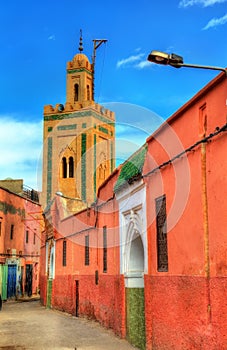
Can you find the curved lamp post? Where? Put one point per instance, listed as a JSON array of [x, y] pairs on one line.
[[60, 194], [176, 61]]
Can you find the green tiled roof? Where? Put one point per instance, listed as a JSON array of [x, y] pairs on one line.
[[131, 168]]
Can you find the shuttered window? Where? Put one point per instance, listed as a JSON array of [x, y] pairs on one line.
[[87, 257], [104, 249], [11, 231], [162, 244], [64, 252]]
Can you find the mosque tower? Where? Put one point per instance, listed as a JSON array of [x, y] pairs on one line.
[[78, 138]]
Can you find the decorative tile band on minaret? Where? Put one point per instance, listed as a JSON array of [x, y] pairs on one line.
[[49, 169], [83, 165], [95, 186]]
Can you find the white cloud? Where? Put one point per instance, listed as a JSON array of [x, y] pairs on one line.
[[129, 60], [135, 61], [22, 145], [143, 64], [214, 22], [51, 37], [204, 3]]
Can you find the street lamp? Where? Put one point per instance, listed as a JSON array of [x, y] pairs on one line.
[[176, 61], [60, 194]]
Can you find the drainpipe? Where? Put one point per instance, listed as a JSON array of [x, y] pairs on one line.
[[205, 228]]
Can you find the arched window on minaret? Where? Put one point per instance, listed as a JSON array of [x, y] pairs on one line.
[[71, 167], [64, 168], [76, 92], [88, 92]]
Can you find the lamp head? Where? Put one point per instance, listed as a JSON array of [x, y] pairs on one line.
[[58, 193], [165, 58]]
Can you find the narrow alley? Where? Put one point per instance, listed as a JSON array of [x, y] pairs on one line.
[[28, 325]]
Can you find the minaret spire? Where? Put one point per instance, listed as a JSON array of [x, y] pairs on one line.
[[81, 42]]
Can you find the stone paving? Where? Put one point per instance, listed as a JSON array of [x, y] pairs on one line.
[[29, 325]]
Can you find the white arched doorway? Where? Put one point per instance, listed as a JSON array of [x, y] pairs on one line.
[[133, 258], [136, 258], [134, 279], [134, 251]]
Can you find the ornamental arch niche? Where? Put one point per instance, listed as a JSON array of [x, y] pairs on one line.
[[68, 170], [67, 160]]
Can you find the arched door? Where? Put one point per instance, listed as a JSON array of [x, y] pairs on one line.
[[134, 283]]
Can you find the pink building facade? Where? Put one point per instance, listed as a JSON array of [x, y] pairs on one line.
[[21, 225]]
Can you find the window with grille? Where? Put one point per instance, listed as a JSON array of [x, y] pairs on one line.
[[87, 257], [104, 249], [64, 251], [162, 246], [11, 231]]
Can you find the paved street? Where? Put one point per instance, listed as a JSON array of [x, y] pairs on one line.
[[27, 325]]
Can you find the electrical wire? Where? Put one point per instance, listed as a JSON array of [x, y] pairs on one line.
[[189, 149], [101, 74]]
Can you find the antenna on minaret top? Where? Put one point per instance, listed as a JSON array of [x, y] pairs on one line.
[[97, 43], [81, 42]]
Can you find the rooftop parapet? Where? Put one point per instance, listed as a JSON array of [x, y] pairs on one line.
[[68, 107], [106, 112]]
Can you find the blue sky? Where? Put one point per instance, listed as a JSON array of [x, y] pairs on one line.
[[38, 38]]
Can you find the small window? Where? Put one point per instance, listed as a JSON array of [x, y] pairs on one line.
[[88, 92], [202, 121], [11, 231], [64, 168], [34, 238], [96, 277], [64, 253], [162, 247], [71, 167], [104, 249], [76, 92], [87, 258], [27, 234]]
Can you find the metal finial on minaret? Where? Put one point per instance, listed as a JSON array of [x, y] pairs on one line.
[[81, 42]]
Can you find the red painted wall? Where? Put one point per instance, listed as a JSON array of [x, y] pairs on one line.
[[12, 209], [186, 307], [103, 300], [42, 277]]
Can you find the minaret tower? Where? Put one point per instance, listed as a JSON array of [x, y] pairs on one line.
[[79, 80], [79, 138]]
